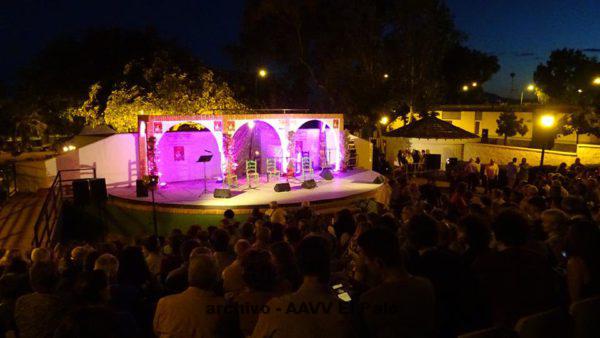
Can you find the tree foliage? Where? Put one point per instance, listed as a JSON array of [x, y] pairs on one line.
[[509, 125], [359, 57]]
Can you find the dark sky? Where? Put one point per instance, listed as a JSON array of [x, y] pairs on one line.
[[521, 33]]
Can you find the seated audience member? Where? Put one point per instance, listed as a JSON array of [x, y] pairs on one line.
[[176, 280], [220, 244], [263, 238], [37, 314], [40, 255], [151, 250], [516, 281], [292, 235], [441, 266], [475, 235], [232, 275], [288, 275], [583, 259], [259, 277], [110, 265], [412, 298], [313, 260], [555, 226], [195, 312]]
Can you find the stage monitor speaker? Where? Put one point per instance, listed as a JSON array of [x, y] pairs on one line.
[[98, 190], [484, 136], [309, 184], [452, 162], [81, 191], [327, 174], [222, 193], [433, 161], [141, 190], [379, 180], [281, 187]]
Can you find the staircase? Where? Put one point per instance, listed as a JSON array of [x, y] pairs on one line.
[[17, 220]]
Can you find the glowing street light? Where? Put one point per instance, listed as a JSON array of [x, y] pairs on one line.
[[465, 88], [384, 120], [474, 84], [530, 88], [386, 75], [547, 121], [580, 90], [262, 72], [596, 81]]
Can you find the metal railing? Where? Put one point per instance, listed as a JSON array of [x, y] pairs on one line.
[[61, 188]]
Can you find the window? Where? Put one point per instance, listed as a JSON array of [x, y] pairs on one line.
[[451, 115], [478, 116]]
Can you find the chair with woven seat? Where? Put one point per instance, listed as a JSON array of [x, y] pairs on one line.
[[272, 170], [307, 169], [252, 173], [231, 180]]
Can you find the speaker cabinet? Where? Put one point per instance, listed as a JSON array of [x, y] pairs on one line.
[[98, 190], [81, 192], [281, 187], [141, 190], [222, 193], [433, 161], [309, 184], [327, 174]]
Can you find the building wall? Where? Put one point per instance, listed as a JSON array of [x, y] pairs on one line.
[[447, 148], [503, 154], [364, 153]]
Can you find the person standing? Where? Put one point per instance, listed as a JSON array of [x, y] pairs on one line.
[[491, 174], [523, 174], [511, 172]]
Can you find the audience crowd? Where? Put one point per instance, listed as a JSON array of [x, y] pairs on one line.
[[432, 263]]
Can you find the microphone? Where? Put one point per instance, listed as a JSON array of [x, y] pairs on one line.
[[208, 151]]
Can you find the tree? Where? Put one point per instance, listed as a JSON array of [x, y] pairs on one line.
[[162, 87], [360, 57], [509, 125]]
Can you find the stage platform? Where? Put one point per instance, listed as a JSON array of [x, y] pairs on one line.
[[186, 197]]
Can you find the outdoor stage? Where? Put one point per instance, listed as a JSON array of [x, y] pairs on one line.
[[186, 197]]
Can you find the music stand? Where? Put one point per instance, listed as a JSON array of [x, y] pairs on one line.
[[203, 159]]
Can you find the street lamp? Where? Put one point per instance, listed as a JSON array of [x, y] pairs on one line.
[[262, 72], [530, 88], [474, 84], [386, 75], [465, 88], [596, 81], [547, 122], [384, 120]]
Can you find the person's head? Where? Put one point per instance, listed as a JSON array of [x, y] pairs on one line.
[[273, 205], [259, 273], [578, 161], [150, 245], [555, 222], [423, 231], [133, 269], [535, 206], [313, 258], [78, 254], [263, 235], [40, 255], [278, 216], [109, 264], [305, 204], [475, 232], [187, 247], [575, 206], [43, 277], [247, 230], [379, 250], [92, 287], [241, 246], [492, 161], [583, 241], [514, 160], [202, 272], [292, 235], [229, 214], [511, 228], [220, 240], [282, 254], [523, 160]]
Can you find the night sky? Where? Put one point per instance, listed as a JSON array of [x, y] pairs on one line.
[[521, 33]]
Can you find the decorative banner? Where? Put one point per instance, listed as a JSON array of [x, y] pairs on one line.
[[230, 126], [178, 153], [218, 125], [336, 123], [158, 127]]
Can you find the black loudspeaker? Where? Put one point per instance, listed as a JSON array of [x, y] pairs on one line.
[[98, 190], [379, 180], [326, 174], [452, 162], [484, 135], [433, 161], [141, 190], [222, 193], [280, 187], [81, 192], [309, 184]]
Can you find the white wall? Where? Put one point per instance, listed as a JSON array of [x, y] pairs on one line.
[[503, 154], [186, 168]]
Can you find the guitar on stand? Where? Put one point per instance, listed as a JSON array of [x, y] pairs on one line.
[[205, 159]]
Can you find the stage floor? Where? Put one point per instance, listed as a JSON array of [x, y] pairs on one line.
[[188, 194]]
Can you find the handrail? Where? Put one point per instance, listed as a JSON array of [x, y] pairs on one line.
[[52, 207]]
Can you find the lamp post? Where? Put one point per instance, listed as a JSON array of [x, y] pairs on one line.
[[529, 88], [596, 81], [547, 122], [260, 74]]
